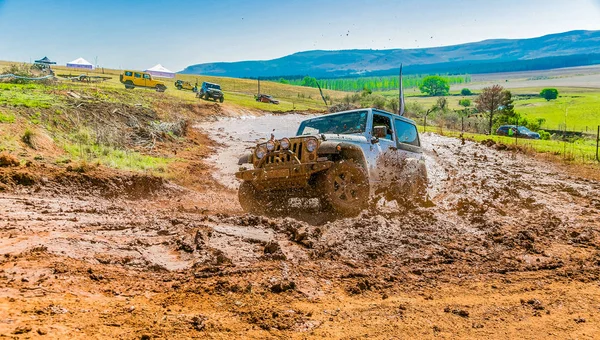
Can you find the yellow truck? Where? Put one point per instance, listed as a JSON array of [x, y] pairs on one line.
[[133, 79]]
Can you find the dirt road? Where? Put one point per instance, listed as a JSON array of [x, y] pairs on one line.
[[509, 249]]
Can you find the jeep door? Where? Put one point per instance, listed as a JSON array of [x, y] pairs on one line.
[[137, 79], [381, 154], [148, 80], [410, 162]]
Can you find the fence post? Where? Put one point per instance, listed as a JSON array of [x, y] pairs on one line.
[[598, 144]]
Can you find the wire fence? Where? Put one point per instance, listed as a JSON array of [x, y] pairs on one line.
[[582, 145]]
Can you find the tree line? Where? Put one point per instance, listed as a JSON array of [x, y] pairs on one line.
[[372, 83]]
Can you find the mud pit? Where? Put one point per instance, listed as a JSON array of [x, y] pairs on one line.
[[509, 249]]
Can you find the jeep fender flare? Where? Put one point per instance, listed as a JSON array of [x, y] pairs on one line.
[[341, 150]]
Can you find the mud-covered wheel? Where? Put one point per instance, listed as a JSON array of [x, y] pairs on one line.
[[344, 188], [129, 84], [221, 99], [160, 88]]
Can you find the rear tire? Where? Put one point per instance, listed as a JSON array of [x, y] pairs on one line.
[[344, 188]]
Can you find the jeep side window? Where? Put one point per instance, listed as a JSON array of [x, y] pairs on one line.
[[137, 75], [146, 76], [379, 120], [407, 133], [128, 73]]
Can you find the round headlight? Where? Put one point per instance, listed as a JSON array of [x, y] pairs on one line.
[[285, 143], [311, 144], [261, 151], [270, 145]]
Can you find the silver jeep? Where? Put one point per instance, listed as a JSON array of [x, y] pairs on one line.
[[344, 159]]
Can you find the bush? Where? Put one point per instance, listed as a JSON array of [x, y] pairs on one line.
[[28, 137], [545, 135], [466, 92]]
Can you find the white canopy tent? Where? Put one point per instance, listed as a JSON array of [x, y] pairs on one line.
[[160, 71], [80, 63]]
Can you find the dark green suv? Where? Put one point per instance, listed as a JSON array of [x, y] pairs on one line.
[[210, 91]]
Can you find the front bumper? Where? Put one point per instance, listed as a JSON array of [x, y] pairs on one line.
[[292, 172]]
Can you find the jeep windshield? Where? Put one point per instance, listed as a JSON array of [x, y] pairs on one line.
[[213, 86], [339, 124]]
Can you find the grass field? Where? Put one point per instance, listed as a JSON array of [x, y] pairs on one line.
[[579, 106], [237, 91]]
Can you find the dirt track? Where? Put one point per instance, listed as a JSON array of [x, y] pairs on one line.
[[509, 249]]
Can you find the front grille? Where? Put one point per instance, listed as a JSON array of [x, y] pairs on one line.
[[284, 158]]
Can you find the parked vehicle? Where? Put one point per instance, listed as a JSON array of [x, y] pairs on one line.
[[133, 79], [343, 159], [185, 85], [265, 98], [520, 131], [211, 91]]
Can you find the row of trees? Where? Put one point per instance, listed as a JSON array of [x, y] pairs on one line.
[[373, 83]]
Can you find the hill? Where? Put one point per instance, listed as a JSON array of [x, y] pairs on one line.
[[575, 48]]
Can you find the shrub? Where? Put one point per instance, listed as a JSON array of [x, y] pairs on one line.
[[545, 135], [466, 92], [28, 137]]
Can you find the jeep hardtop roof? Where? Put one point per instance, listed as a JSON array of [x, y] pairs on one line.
[[407, 120]]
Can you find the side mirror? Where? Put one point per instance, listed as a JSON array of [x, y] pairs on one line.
[[379, 131], [374, 140]]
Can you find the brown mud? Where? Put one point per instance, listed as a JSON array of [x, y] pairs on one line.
[[509, 248]]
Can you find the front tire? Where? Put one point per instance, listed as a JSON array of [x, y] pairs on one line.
[[344, 188], [221, 99]]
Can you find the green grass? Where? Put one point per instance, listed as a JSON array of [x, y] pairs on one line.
[[7, 117], [581, 151], [25, 95], [580, 109], [116, 158], [583, 106]]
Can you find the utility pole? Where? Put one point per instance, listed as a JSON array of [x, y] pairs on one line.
[[517, 133]]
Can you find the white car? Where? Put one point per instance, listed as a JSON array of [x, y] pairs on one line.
[[343, 159]]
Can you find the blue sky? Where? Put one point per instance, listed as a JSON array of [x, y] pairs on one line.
[[139, 34]]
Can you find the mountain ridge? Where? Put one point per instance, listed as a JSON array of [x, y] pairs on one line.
[[573, 48]]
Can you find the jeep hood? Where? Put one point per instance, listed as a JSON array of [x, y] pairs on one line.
[[345, 138]]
